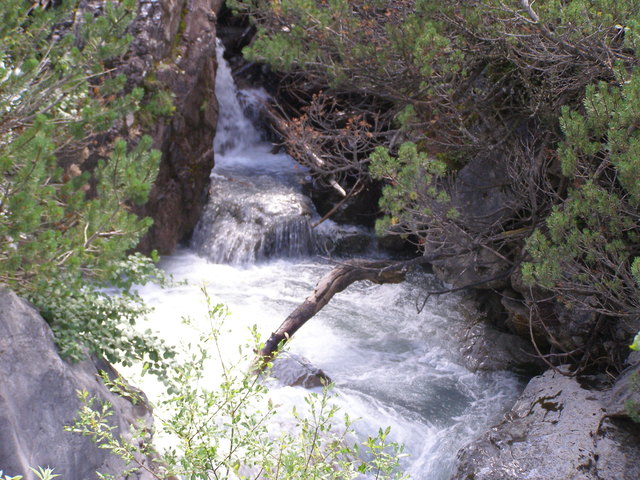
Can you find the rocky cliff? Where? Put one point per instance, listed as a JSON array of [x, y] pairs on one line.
[[174, 50]]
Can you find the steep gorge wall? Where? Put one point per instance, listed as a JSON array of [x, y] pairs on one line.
[[174, 49]]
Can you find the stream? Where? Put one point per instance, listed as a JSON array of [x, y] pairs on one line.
[[255, 251]]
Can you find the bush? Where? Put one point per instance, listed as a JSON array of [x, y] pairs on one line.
[[222, 428], [586, 250], [67, 186]]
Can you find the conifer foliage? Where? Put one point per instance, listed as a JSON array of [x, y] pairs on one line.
[[67, 181]]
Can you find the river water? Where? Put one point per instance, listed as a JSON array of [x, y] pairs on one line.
[[255, 252]]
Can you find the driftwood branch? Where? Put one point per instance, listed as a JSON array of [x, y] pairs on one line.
[[339, 278]]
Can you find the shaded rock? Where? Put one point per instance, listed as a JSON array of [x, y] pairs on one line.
[[552, 324], [486, 349], [625, 393], [482, 196], [335, 239], [565, 328], [361, 209], [38, 397], [174, 50], [294, 370], [397, 244], [481, 269], [556, 430], [518, 314], [481, 193]]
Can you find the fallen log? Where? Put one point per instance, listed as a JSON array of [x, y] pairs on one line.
[[339, 278]]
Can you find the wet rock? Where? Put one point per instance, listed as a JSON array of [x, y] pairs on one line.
[[174, 50], [486, 349], [335, 239], [295, 370], [556, 430], [253, 218], [38, 397]]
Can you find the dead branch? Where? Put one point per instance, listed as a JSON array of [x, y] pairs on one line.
[[333, 137], [339, 278]]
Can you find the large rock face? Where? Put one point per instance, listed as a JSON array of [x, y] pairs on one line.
[[38, 398], [556, 430], [174, 49]]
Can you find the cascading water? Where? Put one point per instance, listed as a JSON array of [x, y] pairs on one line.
[[391, 365], [256, 209]]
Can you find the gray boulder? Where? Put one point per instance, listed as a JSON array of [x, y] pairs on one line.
[[295, 370], [556, 430], [38, 397], [625, 393]]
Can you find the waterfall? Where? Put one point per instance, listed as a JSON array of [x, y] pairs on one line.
[[249, 219], [256, 208], [235, 132]]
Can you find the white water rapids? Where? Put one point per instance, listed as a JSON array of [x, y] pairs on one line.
[[391, 365]]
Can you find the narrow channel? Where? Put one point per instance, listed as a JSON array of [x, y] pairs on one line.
[[255, 251]]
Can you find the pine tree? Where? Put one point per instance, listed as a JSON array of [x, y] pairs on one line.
[[67, 185]]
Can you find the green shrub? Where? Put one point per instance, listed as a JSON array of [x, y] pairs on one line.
[[221, 429], [585, 252], [67, 187]]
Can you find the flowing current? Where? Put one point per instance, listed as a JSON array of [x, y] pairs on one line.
[[255, 251]]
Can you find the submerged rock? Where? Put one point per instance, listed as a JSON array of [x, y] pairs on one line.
[[38, 398], [556, 430], [294, 370]]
